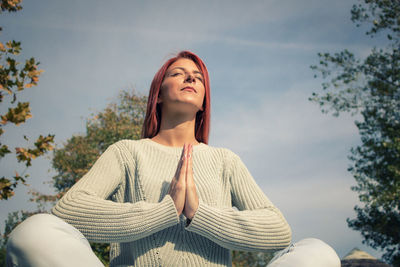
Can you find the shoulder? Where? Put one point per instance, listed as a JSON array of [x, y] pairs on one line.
[[225, 154], [216, 151], [125, 144], [124, 147], [125, 150]]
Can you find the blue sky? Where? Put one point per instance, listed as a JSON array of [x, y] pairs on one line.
[[258, 54]]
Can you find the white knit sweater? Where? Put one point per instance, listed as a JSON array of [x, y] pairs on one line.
[[123, 200]]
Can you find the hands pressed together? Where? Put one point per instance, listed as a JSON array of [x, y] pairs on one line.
[[182, 188]]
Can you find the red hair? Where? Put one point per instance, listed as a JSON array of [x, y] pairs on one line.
[[152, 121]]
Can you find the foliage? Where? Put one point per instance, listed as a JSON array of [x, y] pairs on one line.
[[118, 121], [122, 120], [15, 78], [370, 87], [250, 259], [10, 5]]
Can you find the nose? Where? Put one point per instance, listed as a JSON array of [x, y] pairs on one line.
[[189, 78]]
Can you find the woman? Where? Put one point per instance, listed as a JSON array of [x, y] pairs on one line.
[[163, 200]]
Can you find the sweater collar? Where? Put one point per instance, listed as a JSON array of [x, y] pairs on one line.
[[173, 149]]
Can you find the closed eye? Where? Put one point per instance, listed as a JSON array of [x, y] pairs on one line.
[[175, 74]]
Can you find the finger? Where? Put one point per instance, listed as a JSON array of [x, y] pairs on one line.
[[189, 171], [180, 163], [183, 151], [182, 172], [178, 168], [191, 201]]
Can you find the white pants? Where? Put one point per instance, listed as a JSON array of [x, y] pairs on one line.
[[44, 240], [308, 252]]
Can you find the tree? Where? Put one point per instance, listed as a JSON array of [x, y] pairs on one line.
[[122, 120], [13, 79], [370, 87], [250, 259]]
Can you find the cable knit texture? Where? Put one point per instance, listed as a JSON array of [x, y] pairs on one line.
[[123, 200]]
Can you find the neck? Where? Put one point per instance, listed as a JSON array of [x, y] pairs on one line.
[[176, 130]]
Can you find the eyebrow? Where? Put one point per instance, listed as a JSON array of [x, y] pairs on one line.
[[196, 71]]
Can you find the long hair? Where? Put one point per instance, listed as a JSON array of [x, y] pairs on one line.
[[152, 121]]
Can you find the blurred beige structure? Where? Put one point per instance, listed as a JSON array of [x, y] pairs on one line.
[[359, 258]]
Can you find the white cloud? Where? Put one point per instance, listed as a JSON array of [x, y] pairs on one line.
[[285, 120], [177, 22]]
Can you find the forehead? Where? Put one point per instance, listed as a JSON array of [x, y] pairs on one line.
[[185, 63]]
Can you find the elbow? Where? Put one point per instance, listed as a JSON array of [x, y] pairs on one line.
[[283, 235], [66, 206], [275, 237], [285, 232], [58, 211], [287, 236], [282, 239], [278, 240]]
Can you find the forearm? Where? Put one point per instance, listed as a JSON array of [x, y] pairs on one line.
[[107, 221], [262, 229]]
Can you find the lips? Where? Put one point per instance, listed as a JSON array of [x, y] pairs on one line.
[[188, 88]]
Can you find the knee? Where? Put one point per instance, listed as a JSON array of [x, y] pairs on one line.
[[33, 234], [29, 233], [25, 239], [320, 251], [46, 240], [308, 252]]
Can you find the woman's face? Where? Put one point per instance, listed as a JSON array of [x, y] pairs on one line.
[[183, 87]]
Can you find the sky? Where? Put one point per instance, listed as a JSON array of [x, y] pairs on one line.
[[258, 54]]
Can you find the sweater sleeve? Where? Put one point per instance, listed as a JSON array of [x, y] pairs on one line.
[[257, 225], [86, 205]]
